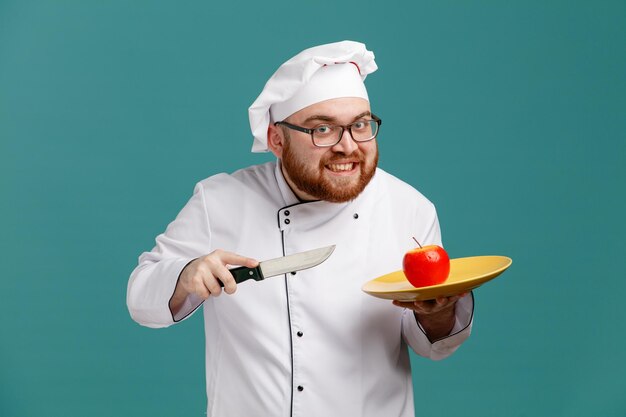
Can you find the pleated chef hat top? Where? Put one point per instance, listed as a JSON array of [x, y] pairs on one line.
[[316, 74]]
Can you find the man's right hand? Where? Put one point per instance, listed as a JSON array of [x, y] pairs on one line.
[[203, 275]]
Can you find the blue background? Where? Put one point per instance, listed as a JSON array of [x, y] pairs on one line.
[[510, 116]]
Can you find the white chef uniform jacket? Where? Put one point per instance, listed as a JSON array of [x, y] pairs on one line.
[[309, 344]]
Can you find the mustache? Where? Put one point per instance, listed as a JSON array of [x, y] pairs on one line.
[[340, 156]]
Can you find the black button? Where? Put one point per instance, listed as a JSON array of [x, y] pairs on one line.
[[287, 221], [356, 215], [300, 334], [300, 388], [286, 212], [293, 273]]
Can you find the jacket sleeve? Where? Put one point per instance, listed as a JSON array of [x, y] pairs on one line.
[[152, 283], [416, 338]]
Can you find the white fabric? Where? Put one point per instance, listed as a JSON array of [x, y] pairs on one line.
[[330, 81], [351, 359], [293, 76]]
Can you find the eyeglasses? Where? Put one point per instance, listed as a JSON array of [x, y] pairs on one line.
[[327, 135]]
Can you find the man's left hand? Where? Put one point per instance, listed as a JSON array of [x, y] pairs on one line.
[[436, 316]]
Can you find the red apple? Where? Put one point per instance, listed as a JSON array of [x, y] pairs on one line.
[[426, 265]]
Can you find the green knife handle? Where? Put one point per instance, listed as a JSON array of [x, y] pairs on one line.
[[243, 273]]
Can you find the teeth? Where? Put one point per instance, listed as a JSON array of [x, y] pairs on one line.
[[341, 167]]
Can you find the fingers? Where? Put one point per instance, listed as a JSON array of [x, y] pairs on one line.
[[201, 280], [205, 276], [223, 275], [229, 258], [430, 306]]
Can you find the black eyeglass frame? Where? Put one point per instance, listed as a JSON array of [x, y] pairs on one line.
[[374, 118]]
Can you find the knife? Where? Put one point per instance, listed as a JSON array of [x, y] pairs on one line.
[[282, 265]]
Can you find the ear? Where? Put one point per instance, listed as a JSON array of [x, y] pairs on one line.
[[275, 140]]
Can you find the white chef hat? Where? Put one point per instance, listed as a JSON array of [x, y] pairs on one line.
[[316, 74]]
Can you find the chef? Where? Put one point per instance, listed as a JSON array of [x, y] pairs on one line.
[[308, 343]]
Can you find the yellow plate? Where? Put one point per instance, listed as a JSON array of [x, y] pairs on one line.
[[465, 275]]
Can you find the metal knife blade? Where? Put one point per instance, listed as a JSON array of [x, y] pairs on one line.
[[284, 264]]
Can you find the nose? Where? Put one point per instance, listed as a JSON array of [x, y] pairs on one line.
[[346, 144]]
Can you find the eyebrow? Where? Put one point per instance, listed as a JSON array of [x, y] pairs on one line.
[[324, 118]]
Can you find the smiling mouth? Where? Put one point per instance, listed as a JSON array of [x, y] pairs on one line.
[[345, 167]]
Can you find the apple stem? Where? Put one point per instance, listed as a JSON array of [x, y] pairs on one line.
[[418, 244]]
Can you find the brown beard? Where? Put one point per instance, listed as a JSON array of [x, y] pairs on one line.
[[313, 183]]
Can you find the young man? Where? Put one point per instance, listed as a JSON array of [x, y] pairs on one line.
[[310, 343]]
